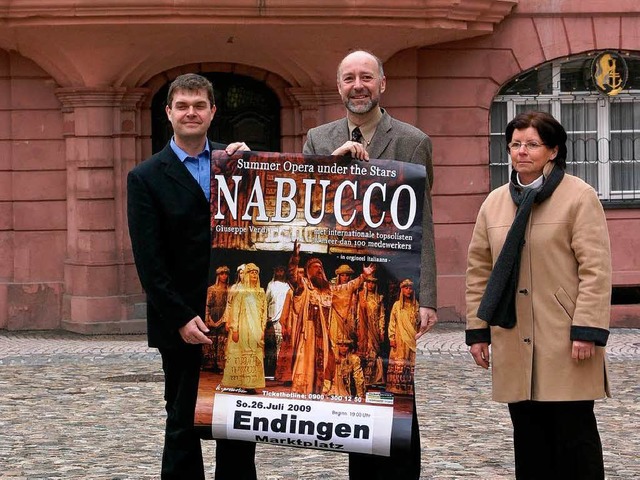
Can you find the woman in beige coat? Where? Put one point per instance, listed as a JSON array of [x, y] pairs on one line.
[[539, 291]]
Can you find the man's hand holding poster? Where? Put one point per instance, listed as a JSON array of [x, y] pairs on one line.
[[312, 308]]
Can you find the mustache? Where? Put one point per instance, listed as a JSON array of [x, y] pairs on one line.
[[364, 91]]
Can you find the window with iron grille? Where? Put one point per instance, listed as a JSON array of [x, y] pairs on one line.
[[603, 131]]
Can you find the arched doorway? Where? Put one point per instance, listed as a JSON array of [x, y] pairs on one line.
[[247, 111]]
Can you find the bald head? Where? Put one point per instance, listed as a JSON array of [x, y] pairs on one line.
[[361, 82], [361, 55]]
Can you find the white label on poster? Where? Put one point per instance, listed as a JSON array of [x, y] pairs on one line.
[[340, 427]]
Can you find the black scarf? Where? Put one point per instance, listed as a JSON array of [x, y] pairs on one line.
[[498, 304]]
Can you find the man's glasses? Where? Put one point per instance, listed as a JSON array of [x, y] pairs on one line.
[[529, 146]]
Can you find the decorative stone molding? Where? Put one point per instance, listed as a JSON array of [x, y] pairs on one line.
[[127, 99], [310, 98], [425, 13], [86, 44]]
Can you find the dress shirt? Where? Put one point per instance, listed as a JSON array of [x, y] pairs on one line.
[[368, 129], [199, 167]]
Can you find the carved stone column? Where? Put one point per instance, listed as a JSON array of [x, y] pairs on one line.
[[102, 130]]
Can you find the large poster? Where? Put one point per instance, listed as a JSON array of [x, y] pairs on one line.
[[312, 305]]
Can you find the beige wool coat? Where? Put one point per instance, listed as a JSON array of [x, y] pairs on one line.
[[563, 294]]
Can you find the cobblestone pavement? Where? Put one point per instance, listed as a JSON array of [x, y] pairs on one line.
[[90, 407]]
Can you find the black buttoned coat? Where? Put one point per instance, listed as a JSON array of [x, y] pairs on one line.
[[169, 226]]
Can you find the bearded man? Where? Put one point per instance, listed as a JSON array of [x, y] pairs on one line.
[[368, 131], [314, 357]]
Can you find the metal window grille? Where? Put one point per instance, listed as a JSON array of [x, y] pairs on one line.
[[603, 146]]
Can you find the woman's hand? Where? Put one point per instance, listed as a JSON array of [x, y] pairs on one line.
[[582, 350], [480, 353], [428, 318]]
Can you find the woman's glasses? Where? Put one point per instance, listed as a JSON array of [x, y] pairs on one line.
[[529, 146]]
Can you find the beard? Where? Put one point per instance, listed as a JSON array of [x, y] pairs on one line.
[[361, 108], [319, 280]]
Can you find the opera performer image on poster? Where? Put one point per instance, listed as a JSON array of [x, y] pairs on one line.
[[312, 310]]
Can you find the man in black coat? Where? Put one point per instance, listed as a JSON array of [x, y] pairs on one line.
[[169, 226]]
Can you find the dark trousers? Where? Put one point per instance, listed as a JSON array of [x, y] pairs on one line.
[[556, 440], [401, 465], [182, 454]]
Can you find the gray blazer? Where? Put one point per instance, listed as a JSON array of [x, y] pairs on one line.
[[393, 140]]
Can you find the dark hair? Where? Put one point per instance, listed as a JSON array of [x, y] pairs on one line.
[[190, 82], [551, 132]]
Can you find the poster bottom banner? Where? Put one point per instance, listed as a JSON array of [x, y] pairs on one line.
[[340, 427]]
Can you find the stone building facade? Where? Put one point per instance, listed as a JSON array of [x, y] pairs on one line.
[[81, 85]]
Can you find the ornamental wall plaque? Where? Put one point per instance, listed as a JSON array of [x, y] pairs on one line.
[[609, 73]]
